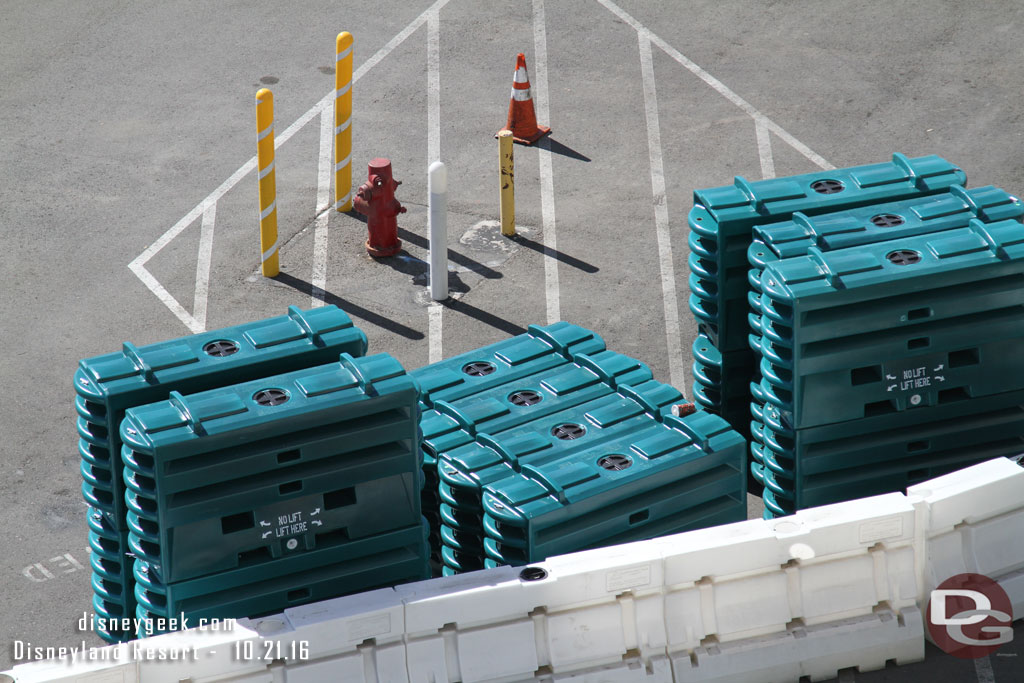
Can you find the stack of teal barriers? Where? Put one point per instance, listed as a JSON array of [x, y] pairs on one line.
[[721, 224], [889, 363], [110, 384], [850, 229], [491, 420], [267, 494]]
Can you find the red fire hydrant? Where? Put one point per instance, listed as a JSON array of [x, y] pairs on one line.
[[375, 199]]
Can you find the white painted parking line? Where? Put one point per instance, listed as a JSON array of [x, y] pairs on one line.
[[434, 332], [318, 278], [435, 313], [983, 669], [433, 87], [539, 83], [718, 86], [677, 370], [764, 148], [138, 265], [203, 266]]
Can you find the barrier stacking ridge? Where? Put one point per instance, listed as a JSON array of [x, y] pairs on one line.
[[844, 586], [870, 224], [669, 476], [540, 348], [109, 384], [465, 471], [722, 219]]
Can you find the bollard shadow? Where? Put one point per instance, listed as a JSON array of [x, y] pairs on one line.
[[350, 308], [557, 255], [453, 256], [460, 306], [455, 283], [566, 151]]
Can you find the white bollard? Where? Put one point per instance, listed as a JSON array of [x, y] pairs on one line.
[[437, 188]]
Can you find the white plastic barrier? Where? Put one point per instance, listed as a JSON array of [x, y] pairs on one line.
[[974, 522], [829, 588]]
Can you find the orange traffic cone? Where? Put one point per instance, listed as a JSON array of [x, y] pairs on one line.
[[522, 120]]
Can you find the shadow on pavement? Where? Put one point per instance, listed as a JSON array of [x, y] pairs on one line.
[[453, 256], [564, 258], [566, 151], [352, 309], [485, 317]]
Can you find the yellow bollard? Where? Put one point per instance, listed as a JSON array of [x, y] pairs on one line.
[[267, 181], [508, 192], [343, 122]]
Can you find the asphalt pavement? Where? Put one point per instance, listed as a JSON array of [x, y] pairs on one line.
[[125, 130]]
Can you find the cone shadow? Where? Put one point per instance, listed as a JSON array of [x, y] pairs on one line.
[[558, 148]]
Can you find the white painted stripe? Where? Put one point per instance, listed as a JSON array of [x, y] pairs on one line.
[[165, 297], [342, 201], [434, 331], [270, 252], [343, 127], [433, 88], [983, 670], [265, 132], [764, 148], [269, 210], [673, 336], [547, 185], [203, 266], [323, 200], [797, 145], [263, 173], [340, 92], [718, 86], [520, 95], [343, 163], [344, 53], [137, 264]]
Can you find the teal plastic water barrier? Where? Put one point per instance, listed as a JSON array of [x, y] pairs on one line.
[[680, 473], [274, 468]]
